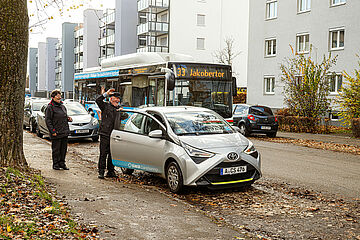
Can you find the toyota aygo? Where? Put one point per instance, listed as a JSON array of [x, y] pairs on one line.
[[188, 146]]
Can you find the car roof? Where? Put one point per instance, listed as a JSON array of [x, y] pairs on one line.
[[171, 109]]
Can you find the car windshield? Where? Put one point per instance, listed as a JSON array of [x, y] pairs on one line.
[[37, 105], [260, 111], [197, 123], [75, 109]]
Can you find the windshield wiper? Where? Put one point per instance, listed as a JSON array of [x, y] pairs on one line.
[[188, 133]]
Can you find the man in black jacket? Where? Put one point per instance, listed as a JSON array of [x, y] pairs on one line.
[[56, 119], [108, 115]]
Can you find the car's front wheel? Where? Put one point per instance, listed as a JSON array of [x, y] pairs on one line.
[[174, 177], [95, 139], [271, 135], [243, 129], [127, 171]]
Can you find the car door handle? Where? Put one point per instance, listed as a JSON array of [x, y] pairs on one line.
[[117, 138]]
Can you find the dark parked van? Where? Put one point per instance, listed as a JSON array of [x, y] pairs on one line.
[[255, 119]]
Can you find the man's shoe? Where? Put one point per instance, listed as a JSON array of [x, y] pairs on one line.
[[101, 174], [56, 167], [65, 167], [111, 174]]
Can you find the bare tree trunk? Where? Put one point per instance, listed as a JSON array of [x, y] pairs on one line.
[[13, 62]]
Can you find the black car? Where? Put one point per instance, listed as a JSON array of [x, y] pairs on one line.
[[255, 119], [31, 109]]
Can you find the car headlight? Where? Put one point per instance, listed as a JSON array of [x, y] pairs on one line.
[[251, 150], [94, 122], [197, 155]]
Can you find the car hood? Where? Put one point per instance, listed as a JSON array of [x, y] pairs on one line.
[[34, 113], [81, 118], [216, 141]]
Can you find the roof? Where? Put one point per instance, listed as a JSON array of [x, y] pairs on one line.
[[170, 109]]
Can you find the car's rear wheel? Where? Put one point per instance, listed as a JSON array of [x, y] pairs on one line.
[[174, 177], [243, 129], [38, 132], [127, 171], [271, 135]]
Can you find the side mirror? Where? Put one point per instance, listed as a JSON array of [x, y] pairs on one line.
[[92, 113], [156, 134], [170, 79], [234, 87]]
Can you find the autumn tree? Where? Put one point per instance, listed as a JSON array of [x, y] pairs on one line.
[[306, 84], [13, 59], [349, 97]]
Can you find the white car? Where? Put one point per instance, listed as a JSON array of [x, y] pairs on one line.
[[188, 146]]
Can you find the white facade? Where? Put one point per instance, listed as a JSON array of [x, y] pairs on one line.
[[41, 65], [285, 23], [199, 28]]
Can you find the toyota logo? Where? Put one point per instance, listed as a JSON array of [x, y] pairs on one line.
[[232, 156]]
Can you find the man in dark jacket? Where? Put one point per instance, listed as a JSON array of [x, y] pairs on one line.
[[108, 115], [56, 119]]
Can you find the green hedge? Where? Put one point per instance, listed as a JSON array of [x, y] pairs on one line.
[[355, 125], [303, 124]]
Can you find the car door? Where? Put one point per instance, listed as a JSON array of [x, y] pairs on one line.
[[131, 146], [27, 113]]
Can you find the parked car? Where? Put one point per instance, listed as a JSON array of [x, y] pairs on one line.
[[84, 125], [255, 119], [188, 146], [31, 109]]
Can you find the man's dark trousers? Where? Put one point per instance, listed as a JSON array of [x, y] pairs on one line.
[[59, 148], [105, 153]]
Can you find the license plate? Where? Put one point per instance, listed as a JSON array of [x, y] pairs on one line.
[[82, 131], [266, 127], [232, 170]]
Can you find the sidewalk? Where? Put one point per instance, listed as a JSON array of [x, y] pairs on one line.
[[346, 139]]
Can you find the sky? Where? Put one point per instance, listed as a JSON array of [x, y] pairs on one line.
[[51, 26]]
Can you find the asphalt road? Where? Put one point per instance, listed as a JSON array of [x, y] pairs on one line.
[[321, 170]]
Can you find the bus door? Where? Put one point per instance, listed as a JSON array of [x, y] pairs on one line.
[[156, 91]]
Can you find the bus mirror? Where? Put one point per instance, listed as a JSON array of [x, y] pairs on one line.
[[170, 79], [234, 87]]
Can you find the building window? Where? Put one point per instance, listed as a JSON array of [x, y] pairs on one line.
[[271, 9], [337, 2], [200, 43], [269, 85], [304, 5], [337, 37], [302, 43], [335, 82], [270, 47], [201, 20]]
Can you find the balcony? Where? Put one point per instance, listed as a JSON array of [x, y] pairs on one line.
[[79, 32], [107, 40], [153, 49], [156, 5], [157, 27], [79, 49], [58, 69], [108, 19], [79, 65]]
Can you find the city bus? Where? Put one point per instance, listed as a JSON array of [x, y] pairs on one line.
[[160, 79]]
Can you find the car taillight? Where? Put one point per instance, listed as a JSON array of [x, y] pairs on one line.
[[276, 119], [251, 117]]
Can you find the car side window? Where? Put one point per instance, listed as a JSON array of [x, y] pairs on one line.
[[150, 125], [134, 124], [240, 110]]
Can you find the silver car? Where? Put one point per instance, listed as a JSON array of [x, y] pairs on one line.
[[188, 146], [84, 125]]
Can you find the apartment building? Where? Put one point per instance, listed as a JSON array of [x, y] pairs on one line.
[[329, 26], [197, 28], [32, 70], [50, 63], [107, 35], [41, 67]]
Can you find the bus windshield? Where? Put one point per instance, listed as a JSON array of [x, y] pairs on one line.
[[212, 94]]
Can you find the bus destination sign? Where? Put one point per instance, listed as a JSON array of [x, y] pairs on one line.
[[202, 71]]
